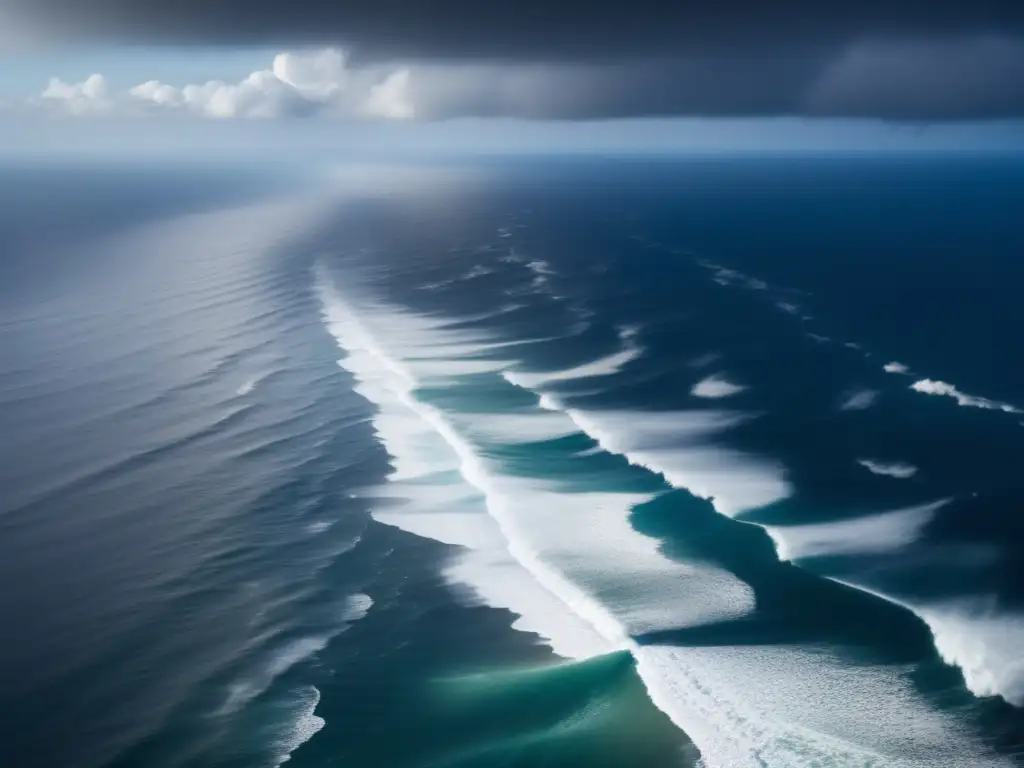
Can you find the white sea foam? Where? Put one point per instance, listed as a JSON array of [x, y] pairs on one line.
[[978, 638], [895, 367], [478, 271], [715, 386], [306, 725], [604, 366], [932, 387], [673, 444], [512, 428], [898, 469], [790, 707], [858, 401], [286, 656], [319, 526], [984, 643], [554, 550], [246, 387], [869, 534]]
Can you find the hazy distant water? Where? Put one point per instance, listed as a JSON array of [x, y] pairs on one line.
[[570, 463]]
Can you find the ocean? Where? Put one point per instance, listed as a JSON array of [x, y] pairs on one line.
[[562, 462]]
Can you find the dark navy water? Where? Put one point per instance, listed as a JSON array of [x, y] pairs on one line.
[[556, 462]]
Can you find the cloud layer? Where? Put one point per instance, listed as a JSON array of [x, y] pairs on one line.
[[955, 78], [528, 30]]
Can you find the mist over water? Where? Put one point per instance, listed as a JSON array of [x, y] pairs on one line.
[[498, 465]]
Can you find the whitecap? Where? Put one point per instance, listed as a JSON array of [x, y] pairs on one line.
[[897, 469], [895, 367], [944, 389], [715, 386], [865, 535], [304, 727], [604, 366], [858, 401]]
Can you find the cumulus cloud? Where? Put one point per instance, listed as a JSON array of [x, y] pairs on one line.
[[317, 75], [89, 96], [390, 98], [895, 367], [296, 84], [942, 388]]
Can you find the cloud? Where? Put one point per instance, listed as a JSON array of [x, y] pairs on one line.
[[895, 367], [530, 30], [977, 78], [89, 96], [297, 84], [937, 79], [317, 75], [390, 98], [576, 59]]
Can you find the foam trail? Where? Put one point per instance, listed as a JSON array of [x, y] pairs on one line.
[[897, 469], [605, 366], [858, 401], [715, 386], [285, 657], [242, 692], [870, 534], [933, 387], [672, 444]]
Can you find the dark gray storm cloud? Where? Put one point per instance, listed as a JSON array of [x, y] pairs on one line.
[[902, 59]]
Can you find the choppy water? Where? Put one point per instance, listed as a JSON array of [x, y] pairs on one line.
[[574, 463]]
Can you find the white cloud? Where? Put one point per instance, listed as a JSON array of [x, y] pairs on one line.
[[296, 84], [317, 75], [90, 95], [157, 92], [390, 98]]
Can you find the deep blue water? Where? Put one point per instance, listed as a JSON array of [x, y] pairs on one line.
[[538, 463]]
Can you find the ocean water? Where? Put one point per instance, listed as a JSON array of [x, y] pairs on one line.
[[567, 462]]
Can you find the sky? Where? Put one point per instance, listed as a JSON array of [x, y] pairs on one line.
[[644, 75]]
